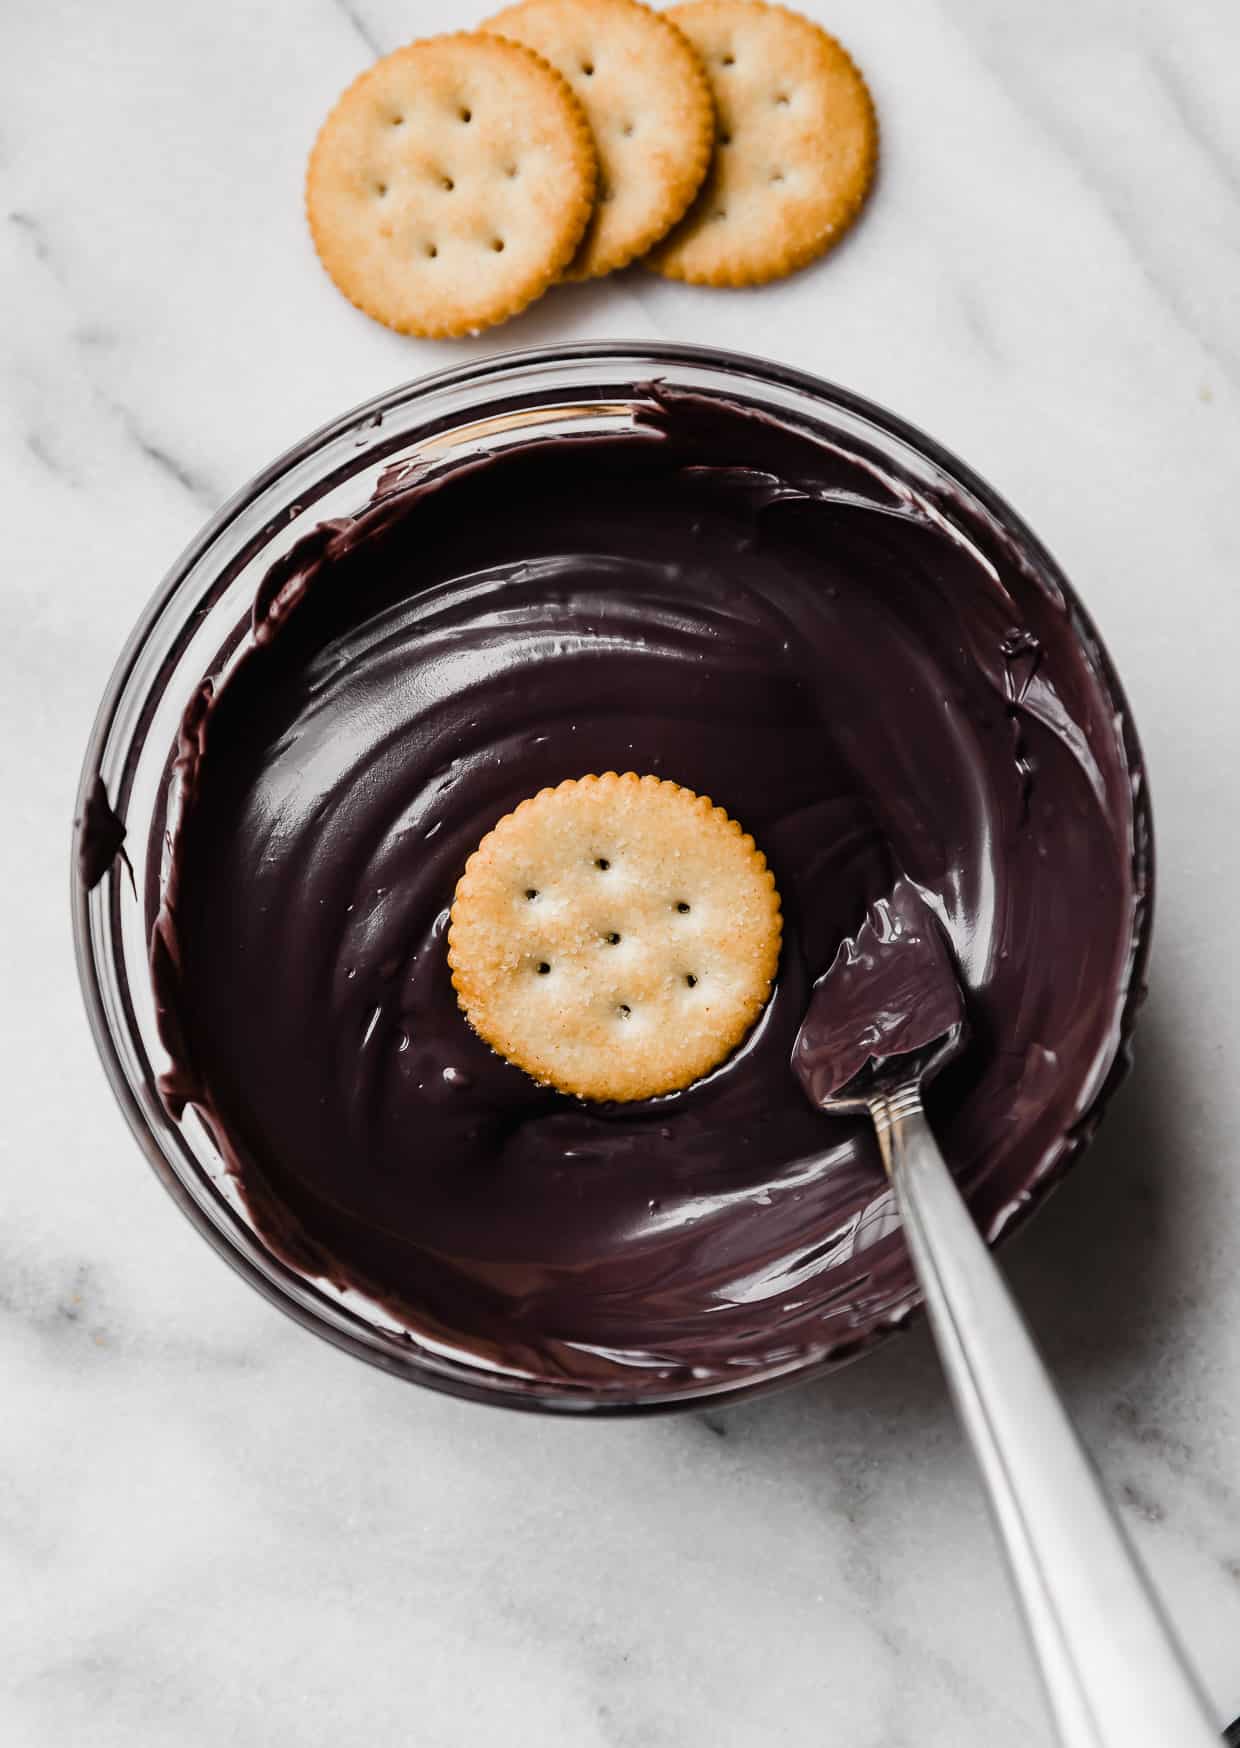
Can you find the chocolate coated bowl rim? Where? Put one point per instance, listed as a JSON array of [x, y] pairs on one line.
[[95, 913]]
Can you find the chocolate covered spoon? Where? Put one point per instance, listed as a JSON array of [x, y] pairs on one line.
[[884, 1018]]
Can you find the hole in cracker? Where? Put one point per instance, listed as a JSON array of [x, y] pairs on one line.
[[601, 863], [777, 175], [587, 68], [448, 184], [531, 892], [511, 170], [627, 129], [624, 1010], [381, 188], [683, 907], [398, 121], [467, 115], [543, 968], [727, 60], [691, 979], [725, 139], [612, 939], [498, 245], [431, 250], [782, 99]]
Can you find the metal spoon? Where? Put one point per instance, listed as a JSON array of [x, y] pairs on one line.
[[886, 1017]]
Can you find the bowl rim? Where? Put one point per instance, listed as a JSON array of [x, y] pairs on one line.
[[410, 1366]]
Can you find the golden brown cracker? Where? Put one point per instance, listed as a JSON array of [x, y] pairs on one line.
[[451, 184], [646, 95], [797, 146], [616, 937]]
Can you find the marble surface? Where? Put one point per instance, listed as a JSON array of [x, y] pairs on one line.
[[215, 1530]]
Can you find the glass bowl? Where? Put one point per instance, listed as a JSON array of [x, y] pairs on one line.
[[198, 616]]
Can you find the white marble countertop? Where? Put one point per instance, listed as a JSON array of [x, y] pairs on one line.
[[216, 1530]]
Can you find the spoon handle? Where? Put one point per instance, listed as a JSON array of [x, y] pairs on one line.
[[1114, 1675]]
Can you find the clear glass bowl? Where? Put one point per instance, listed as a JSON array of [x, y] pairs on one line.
[[199, 614]]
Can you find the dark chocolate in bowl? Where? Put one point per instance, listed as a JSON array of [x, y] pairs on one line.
[[861, 655]]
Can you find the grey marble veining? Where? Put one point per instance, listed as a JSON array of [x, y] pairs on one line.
[[214, 1530]]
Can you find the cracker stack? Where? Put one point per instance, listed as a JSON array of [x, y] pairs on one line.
[[723, 142]]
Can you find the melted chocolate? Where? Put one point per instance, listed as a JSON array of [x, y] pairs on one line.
[[890, 991], [101, 835], [870, 678]]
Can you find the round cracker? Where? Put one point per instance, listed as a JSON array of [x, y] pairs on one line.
[[797, 146], [451, 184], [615, 937], [648, 101]]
